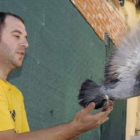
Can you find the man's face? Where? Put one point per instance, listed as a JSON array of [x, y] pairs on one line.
[[13, 43]]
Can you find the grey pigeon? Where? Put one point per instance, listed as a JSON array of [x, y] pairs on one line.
[[122, 74]]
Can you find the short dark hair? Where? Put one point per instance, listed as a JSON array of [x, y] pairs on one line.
[[3, 16]]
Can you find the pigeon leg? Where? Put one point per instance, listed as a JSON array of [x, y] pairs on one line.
[[107, 104]]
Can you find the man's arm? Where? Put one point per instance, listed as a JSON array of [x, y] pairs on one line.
[[83, 122]]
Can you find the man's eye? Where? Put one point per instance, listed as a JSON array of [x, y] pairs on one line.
[[17, 36]]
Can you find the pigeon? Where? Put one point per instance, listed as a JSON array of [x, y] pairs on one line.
[[121, 74]]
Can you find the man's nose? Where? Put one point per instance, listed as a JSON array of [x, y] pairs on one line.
[[25, 43]]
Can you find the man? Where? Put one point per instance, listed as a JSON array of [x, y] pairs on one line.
[[13, 121]]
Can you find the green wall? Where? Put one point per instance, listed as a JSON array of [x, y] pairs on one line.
[[63, 52]]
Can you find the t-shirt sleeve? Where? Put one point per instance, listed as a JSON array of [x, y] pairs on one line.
[[25, 127], [6, 121]]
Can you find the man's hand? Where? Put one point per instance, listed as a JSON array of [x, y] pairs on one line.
[[85, 121]]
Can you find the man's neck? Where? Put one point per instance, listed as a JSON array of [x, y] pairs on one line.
[[3, 76], [3, 73]]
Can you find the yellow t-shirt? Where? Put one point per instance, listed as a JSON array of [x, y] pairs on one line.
[[12, 110]]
